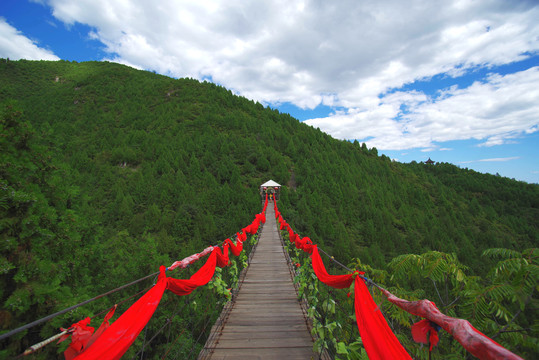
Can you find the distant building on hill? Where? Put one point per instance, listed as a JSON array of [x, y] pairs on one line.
[[271, 188], [429, 161]]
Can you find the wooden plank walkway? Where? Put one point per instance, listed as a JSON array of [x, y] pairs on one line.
[[266, 320]]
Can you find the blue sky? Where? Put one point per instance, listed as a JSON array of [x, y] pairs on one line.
[[456, 81]]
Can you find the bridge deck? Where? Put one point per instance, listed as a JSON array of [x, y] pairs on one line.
[[266, 320]]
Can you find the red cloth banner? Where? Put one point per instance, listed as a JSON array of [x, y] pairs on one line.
[[424, 333], [261, 218], [293, 236], [336, 281], [304, 244], [253, 227], [201, 277], [190, 259], [470, 338], [80, 338], [111, 342], [241, 236], [307, 245], [265, 204], [378, 339], [235, 248], [115, 341], [222, 255], [104, 326]]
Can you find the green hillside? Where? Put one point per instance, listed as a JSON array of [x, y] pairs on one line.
[[107, 172]]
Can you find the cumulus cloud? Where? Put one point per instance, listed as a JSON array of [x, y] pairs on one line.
[[14, 45], [349, 54], [493, 160], [497, 110], [292, 49]]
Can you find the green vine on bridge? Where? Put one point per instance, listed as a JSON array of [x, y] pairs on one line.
[[333, 329], [226, 279]]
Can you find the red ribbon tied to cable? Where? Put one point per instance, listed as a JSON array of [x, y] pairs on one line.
[[425, 332], [115, 341], [235, 248], [111, 342]]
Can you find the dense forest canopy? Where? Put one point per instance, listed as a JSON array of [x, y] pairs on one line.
[[107, 172]]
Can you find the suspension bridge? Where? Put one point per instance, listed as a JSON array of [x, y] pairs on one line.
[[267, 317], [266, 320]]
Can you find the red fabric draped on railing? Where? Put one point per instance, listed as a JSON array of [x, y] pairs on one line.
[[261, 218], [190, 259], [201, 277], [235, 248], [117, 338], [336, 281], [253, 227], [471, 339], [115, 341], [378, 339], [222, 255], [241, 236], [265, 204], [304, 244]]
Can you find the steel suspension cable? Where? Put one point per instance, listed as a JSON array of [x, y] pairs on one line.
[[61, 312]]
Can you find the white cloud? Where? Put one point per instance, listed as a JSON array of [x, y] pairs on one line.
[[496, 111], [295, 50], [14, 45], [493, 160]]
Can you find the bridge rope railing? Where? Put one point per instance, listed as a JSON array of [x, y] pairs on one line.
[[376, 337], [328, 311], [113, 341]]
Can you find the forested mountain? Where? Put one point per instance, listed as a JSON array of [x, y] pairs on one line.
[[107, 172]]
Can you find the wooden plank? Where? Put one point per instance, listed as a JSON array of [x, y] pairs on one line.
[[264, 354], [266, 275], [254, 299], [249, 343], [299, 333], [270, 308], [266, 282], [262, 328], [273, 293], [266, 320], [267, 295], [262, 289], [252, 313], [268, 270], [270, 287], [249, 311]]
